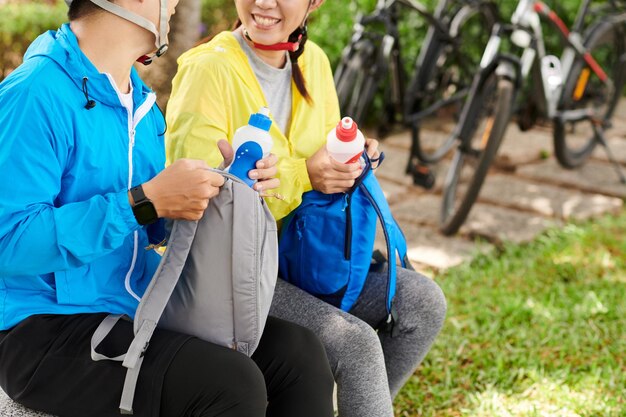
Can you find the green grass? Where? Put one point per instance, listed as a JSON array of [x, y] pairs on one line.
[[534, 330]]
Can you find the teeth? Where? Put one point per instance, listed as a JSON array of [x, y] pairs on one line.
[[265, 21]]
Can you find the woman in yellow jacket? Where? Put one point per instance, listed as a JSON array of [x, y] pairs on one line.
[[264, 62]]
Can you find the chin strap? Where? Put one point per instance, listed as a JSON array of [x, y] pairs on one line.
[[292, 45], [159, 35]]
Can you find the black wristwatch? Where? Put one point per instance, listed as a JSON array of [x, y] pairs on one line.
[[144, 210]]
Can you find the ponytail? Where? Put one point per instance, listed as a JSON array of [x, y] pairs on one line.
[[296, 72]]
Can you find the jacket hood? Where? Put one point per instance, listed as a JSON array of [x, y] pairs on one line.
[[61, 46]]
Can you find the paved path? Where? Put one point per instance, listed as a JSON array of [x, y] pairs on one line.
[[525, 193]]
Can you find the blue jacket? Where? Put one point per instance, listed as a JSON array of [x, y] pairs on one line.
[[69, 242]]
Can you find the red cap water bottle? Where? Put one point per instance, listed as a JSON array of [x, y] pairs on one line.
[[345, 143]]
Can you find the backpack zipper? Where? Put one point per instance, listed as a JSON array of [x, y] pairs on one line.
[[347, 247]]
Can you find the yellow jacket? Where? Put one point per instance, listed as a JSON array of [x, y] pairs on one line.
[[214, 93]]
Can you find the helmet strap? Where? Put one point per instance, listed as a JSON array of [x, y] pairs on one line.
[[160, 35]]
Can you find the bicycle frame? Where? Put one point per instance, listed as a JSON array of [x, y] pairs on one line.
[[386, 13], [526, 33]]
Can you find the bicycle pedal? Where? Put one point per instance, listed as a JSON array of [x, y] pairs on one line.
[[423, 177]]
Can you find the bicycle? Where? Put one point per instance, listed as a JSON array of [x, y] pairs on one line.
[[442, 71], [583, 86]]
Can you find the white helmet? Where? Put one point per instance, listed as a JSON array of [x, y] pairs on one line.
[[160, 35]]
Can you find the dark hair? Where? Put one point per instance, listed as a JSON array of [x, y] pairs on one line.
[[296, 72], [81, 8]]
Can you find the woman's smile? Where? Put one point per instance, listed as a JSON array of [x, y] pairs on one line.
[[265, 22]]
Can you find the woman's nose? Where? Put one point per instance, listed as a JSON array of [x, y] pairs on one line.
[[265, 4]]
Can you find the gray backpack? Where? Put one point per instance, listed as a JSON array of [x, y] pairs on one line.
[[215, 281]]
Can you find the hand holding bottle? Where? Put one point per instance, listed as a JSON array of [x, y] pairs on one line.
[[252, 144], [329, 176]]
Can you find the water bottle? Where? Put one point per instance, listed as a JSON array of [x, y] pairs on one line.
[[345, 143], [251, 143]]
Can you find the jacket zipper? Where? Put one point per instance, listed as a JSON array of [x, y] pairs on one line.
[[133, 121]]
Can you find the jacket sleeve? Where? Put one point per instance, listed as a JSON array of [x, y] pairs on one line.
[[196, 115], [38, 234]]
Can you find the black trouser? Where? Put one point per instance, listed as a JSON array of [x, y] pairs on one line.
[[288, 376], [45, 364]]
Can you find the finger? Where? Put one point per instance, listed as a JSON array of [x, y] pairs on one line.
[[270, 161], [214, 179], [372, 148], [270, 184], [191, 164], [338, 166], [227, 152], [263, 174], [194, 215], [213, 192]]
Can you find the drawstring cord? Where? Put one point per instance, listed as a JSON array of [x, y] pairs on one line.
[[90, 103]]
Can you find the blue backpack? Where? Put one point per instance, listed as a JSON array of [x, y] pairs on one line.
[[327, 243]]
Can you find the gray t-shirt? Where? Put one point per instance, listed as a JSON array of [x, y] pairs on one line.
[[275, 83]]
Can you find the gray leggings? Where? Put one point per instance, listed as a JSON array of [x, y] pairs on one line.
[[369, 368]]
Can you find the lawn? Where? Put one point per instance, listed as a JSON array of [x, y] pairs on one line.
[[534, 330]]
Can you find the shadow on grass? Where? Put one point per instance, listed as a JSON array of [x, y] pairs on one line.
[[535, 330]]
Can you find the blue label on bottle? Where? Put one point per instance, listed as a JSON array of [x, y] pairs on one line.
[[245, 159]]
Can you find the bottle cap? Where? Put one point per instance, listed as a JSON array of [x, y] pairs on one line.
[[346, 130], [261, 119]]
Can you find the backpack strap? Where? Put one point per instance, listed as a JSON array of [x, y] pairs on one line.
[[151, 307], [394, 238]]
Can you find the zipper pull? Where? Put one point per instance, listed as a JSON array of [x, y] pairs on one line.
[[346, 202], [132, 138], [299, 226]]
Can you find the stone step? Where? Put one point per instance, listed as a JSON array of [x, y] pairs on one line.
[[617, 146], [496, 224], [594, 177], [547, 200], [394, 166], [500, 224], [428, 250], [519, 148], [422, 210]]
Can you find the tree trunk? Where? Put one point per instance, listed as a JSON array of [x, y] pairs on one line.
[[184, 33]]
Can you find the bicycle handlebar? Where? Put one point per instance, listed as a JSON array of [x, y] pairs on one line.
[[381, 14]]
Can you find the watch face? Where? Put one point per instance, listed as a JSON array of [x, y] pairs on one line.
[[145, 212]]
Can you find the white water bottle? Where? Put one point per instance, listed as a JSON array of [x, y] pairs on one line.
[[251, 143], [345, 143]]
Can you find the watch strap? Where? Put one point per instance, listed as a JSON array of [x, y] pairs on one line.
[[138, 194]]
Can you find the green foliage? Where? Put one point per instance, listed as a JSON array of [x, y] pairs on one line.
[[331, 26], [535, 330], [217, 15], [21, 23]]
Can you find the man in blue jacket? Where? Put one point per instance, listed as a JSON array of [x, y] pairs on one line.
[[83, 191]]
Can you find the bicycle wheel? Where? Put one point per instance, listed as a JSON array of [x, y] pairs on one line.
[[357, 80], [574, 141], [437, 92], [490, 112]]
